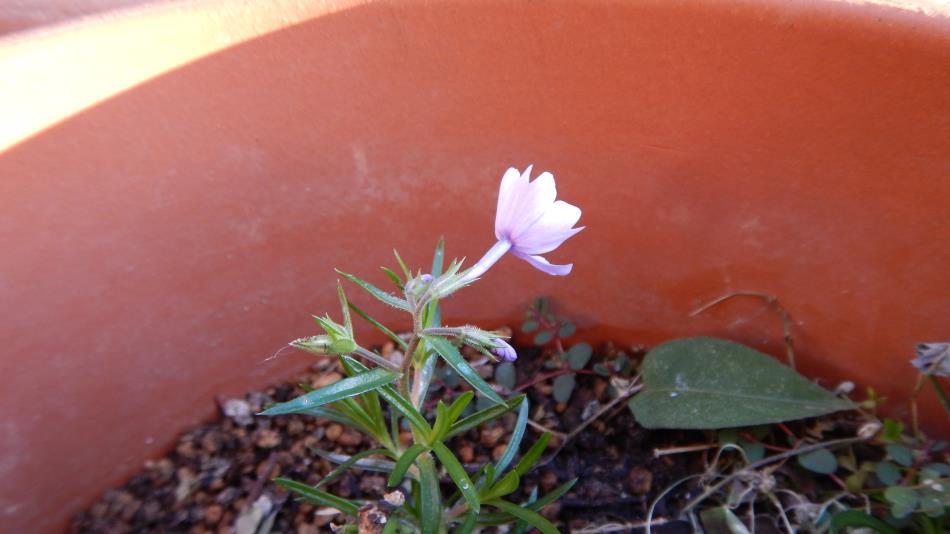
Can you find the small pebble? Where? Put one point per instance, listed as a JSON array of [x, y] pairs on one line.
[[213, 513], [466, 454], [334, 432], [266, 438], [639, 481]]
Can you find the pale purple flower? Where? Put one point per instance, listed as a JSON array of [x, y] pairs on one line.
[[933, 359], [529, 222], [503, 350]]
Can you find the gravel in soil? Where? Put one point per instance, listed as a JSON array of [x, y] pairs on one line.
[[218, 477]]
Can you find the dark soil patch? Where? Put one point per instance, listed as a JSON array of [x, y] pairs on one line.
[[219, 470]]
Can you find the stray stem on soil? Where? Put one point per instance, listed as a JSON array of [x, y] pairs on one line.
[[770, 300], [621, 396], [766, 461], [687, 448], [553, 374], [621, 527]]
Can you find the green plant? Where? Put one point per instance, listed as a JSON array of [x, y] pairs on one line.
[[382, 396]]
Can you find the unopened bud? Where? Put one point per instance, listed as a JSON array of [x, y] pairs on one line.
[[342, 346], [504, 351], [313, 344], [324, 345]]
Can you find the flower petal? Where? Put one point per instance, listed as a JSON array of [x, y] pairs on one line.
[[509, 195], [545, 243], [544, 265], [550, 230], [522, 203]]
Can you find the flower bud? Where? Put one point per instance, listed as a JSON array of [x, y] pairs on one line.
[[324, 345], [313, 344], [504, 351], [342, 346]]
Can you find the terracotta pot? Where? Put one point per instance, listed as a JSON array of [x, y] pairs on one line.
[[178, 183]]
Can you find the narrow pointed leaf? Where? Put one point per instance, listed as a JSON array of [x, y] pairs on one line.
[[379, 326], [553, 495], [528, 516], [709, 383], [455, 470], [316, 496], [521, 527], [331, 414], [494, 518], [369, 464], [370, 402], [339, 390], [394, 277], [344, 305], [482, 416], [454, 358], [516, 437], [527, 461], [510, 482], [424, 373], [469, 524], [441, 425], [354, 411], [397, 402], [438, 258], [402, 265], [458, 406], [353, 460], [430, 497], [332, 329], [404, 463], [383, 296]]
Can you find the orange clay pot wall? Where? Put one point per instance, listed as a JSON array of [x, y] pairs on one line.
[[179, 182]]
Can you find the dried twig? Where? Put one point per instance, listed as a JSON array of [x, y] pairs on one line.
[[619, 527], [621, 396], [769, 460], [686, 448]]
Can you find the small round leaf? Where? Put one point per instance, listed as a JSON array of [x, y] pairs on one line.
[[543, 337], [567, 330], [563, 387], [579, 355], [887, 473], [819, 461]]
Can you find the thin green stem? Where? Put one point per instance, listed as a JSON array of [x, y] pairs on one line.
[[941, 393], [409, 356], [406, 367], [375, 358]]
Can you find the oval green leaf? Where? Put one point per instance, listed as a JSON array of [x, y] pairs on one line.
[[707, 383]]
